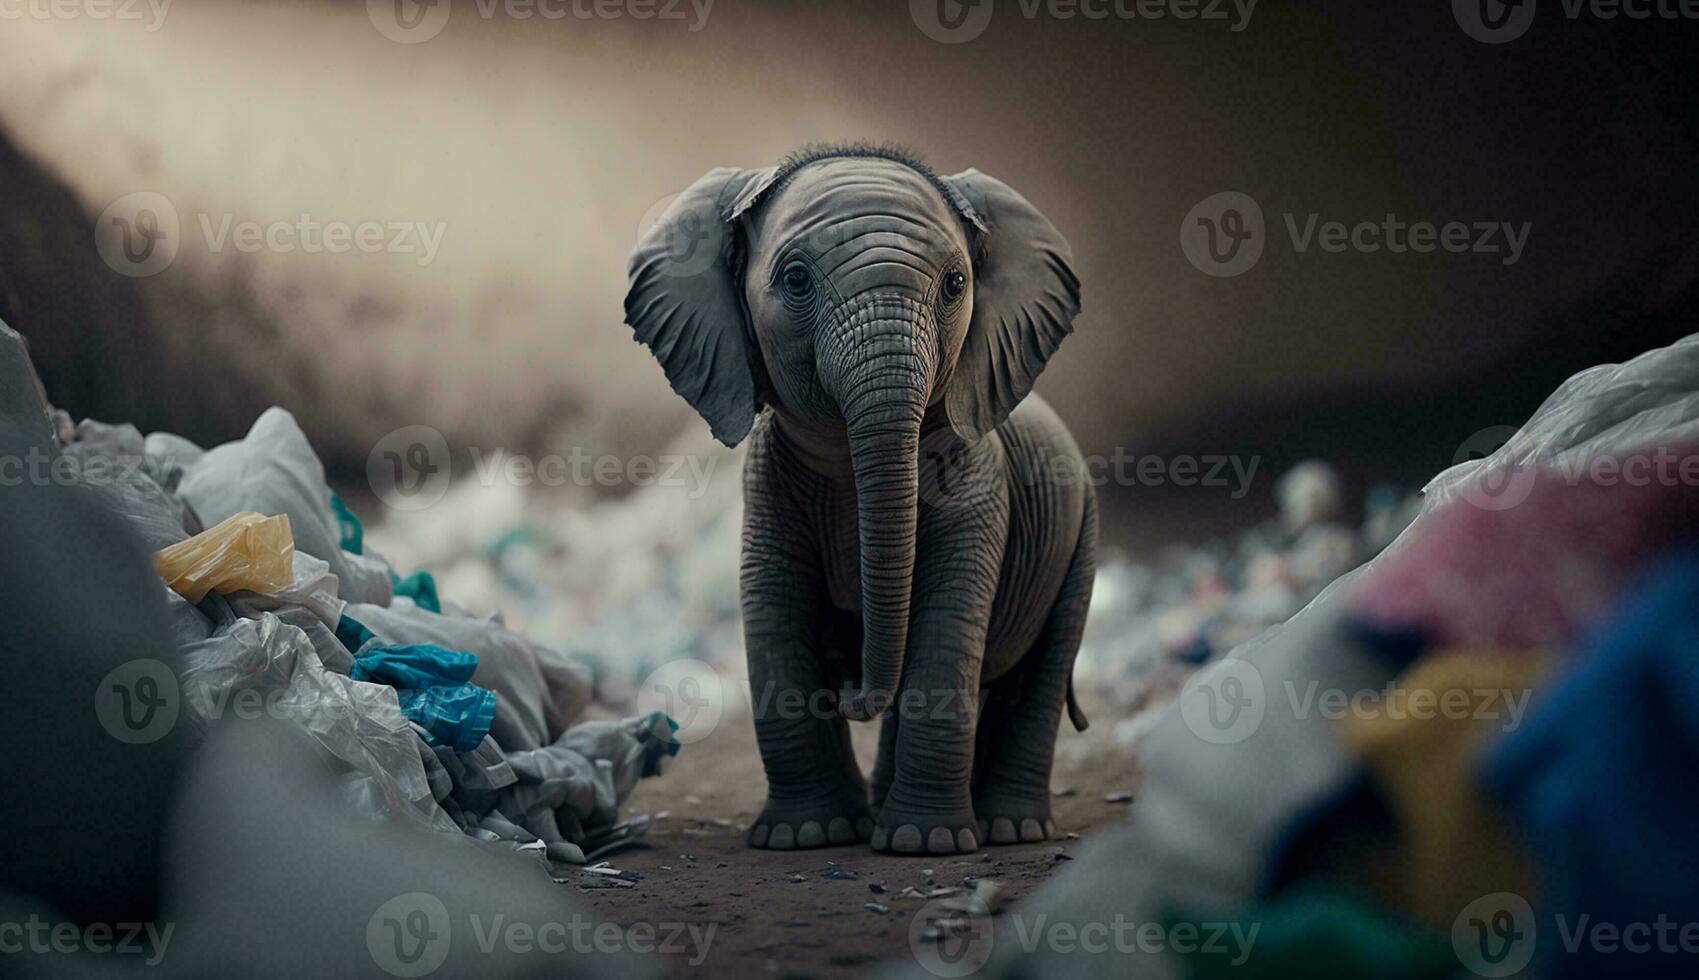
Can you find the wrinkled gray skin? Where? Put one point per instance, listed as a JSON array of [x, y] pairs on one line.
[[908, 546]]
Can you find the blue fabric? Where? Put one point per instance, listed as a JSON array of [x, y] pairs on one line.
[[1600, 779], [432, 685]]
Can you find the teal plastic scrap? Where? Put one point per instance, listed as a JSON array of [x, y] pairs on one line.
[[353, 532], [421, 587], [433, 687]]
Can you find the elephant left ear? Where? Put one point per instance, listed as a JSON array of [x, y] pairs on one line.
[[1025, 298]]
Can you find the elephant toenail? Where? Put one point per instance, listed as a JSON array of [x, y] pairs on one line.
[[941, 841], [879, 838], [1003, 831], [839, 832], [759, 836], [906, 839], [810, 834], [966, 841], [783, 839], [1030, 830], [1050, 832]]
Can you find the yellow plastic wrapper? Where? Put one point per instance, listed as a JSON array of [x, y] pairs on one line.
[[246, 551]]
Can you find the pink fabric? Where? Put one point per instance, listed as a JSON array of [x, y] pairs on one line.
[[1531, 574]]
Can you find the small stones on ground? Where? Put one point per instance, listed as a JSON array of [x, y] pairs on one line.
[[1065, 792], [877, 907], [1119, 796], [876, 887], [796, 878], [840, 874], [1064, 856], [1073, 836]]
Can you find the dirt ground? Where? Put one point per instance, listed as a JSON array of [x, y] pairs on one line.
[[767, 923]]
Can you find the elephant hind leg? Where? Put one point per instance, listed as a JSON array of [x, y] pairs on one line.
[[1018, 734]]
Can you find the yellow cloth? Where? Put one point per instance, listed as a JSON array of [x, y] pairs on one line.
[[246, 551], [1454, 845]]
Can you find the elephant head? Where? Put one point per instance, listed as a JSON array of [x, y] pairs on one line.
[[852, 290]]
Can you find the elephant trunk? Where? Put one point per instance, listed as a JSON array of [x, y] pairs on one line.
[[883, 412]]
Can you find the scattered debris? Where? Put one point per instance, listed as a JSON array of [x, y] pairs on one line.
[[983, 900], [1065, 792], [877, 907], [1120, 796], [840, 874]]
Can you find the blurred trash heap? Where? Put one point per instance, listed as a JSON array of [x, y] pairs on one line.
[[1469, 756]]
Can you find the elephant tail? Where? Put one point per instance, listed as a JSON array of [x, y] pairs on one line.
[[1075, 713]]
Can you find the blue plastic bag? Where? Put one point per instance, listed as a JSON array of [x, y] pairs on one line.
[[421, 587], [432, 685]]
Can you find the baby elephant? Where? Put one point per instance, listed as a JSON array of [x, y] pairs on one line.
[[918, 537]]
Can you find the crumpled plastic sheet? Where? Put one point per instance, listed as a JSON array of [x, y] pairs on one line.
[[581, 778], [312, 586], [274, 470], [246, 551], [359, 723], [123, 484], [1650, 401]]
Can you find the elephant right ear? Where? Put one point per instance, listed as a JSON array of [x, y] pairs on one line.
[[684, 302]]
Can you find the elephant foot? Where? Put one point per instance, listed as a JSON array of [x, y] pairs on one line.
[[917, 832], [786, 826], [1008, 821]]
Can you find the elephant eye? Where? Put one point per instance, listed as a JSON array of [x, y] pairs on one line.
[[952, 288], [797, 283]]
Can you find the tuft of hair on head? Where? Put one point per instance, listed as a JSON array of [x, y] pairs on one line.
[[894, 152]]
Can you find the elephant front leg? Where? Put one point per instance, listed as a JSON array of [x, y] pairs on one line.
[[815, 793], [928, 807]]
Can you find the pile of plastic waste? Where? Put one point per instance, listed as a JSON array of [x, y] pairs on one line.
[[1467, 757], [279, 606]]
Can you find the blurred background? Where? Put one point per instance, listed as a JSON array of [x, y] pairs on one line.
[[539, 146]]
